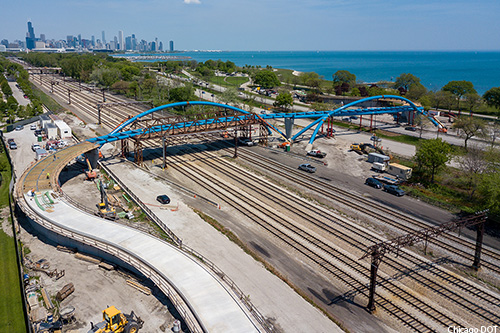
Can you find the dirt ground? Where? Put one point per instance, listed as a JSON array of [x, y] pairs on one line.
[[95, 288]]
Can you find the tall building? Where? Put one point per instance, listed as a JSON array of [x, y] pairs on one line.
[[121, 40], [128, 43], [93, 41], [160, 47], [171, 46], [42, 37], [103, 38], [30, 37]]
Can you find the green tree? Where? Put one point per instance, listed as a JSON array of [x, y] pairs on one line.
[[431, 156], [311, 79], [266, 79], [471, 101], [344, 76], [7, 91], [416, 91], [230, 96], [470, 127], [492, 97], [105, 76], [473, 165], [459, 89], [283, 100], [405, 81]]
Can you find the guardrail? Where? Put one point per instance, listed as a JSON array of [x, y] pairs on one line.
[[160, 280], [178, 242]]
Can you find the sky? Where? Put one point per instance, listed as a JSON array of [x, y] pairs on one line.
[[273, 25]]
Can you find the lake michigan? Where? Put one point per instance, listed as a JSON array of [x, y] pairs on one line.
[[434, 68]]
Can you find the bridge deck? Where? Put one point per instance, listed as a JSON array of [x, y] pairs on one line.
[[215, 308]]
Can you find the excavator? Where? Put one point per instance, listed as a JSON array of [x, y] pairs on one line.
[[91, 174], [104, 209], [117, 322]]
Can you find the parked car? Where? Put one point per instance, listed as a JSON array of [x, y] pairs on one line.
[[373, 183], [410, 128], [163, 199], [245, 142], [10, 140], [307, 167], [35, 147], [12, 145], [19, 128], [393, 189], [33, 127]]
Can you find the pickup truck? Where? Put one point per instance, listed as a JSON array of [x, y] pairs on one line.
[[316, 153]]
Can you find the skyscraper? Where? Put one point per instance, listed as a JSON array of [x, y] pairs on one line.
[[30, 37], [171, 46], [121, 40], [103, 38]]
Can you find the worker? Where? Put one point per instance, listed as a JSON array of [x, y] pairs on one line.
[[48, 175]]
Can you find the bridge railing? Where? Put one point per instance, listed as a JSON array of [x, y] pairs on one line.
[[259, 317], [160, 280]]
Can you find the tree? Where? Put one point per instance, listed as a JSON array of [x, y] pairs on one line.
[[344, 76], [492, 97], [421, 122], [416, 91], [266, 79], [283, 100], [431, 156], [459, 89], [473, 165], [230, 95], [405, 81], [470, 127], [311, 79], [472, 100]]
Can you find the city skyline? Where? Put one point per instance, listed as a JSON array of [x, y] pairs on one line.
[[261, 25]]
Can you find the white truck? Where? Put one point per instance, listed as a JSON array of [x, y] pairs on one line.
[[316, 153]]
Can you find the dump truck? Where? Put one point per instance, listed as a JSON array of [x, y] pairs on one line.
[[117, 322]]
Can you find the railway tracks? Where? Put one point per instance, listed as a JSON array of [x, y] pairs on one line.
[[319, 245]]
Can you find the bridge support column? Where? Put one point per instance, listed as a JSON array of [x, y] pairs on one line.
[[235, 144], [125, 148], [138, 158], [263, 134], [289, 127], [93, 156], [164, 165]]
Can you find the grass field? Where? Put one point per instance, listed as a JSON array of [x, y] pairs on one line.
[[11, 308]]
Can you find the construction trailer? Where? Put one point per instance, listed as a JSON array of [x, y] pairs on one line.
[[400, 171], [63, 130], [379, 158], [50, 130]]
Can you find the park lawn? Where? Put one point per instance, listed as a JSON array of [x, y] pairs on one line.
[[11, 308], [236, 81]]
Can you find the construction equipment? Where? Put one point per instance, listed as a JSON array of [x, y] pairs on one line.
[[104, 209], [117, 322], [91, 174]]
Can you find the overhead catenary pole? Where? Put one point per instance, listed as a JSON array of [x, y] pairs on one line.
[[377, 251]]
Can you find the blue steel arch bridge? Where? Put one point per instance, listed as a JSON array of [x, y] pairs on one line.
[[222, 118]]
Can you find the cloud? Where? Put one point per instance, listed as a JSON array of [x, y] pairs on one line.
[[196, 2]]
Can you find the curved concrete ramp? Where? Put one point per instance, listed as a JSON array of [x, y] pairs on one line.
[[203, 300]]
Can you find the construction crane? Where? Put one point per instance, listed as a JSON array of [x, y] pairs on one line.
[[104, 209], [117, 322], [91, 174]]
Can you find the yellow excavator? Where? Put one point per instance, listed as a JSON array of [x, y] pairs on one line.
[[117, 322], [104, 209]]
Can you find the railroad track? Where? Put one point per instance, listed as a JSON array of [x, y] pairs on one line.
[[317, 250], [323, 221], [373, 210], [410, 321]]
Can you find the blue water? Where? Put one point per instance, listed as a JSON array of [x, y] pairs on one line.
[[434, 69]]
